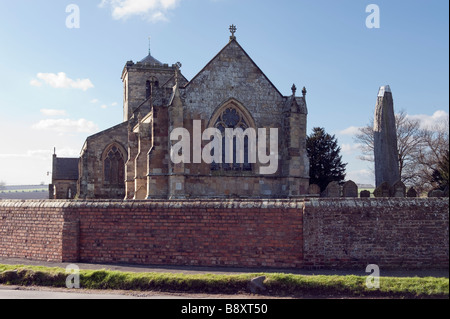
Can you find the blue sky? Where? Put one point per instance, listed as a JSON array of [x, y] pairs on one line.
[[59, 85]]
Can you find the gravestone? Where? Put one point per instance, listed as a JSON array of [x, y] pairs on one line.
[[350, 189], [314, 189], [333, 190], [398, 190], [364, 194], [385, 139], [382, 190], [411, 193]]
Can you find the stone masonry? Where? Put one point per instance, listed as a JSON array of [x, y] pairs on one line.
[[231, 91]]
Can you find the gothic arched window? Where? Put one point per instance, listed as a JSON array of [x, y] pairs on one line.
[[114, 167], [232, 118]]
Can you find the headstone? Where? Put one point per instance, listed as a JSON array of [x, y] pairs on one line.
[[398, 190], [411, 193], [350, 189], [446, 191], [314, 189], [385, 139], [382, 190], [333, 190], [364, 194]]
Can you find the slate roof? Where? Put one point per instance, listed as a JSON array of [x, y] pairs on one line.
[[150, 60], [65, 168]]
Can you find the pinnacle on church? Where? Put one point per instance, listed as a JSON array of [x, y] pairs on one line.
[[294, 89]]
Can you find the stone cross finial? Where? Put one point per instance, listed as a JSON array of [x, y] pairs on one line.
[[304, 91], [294, 89], [233, 30]]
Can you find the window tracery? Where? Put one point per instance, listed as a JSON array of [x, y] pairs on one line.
[[232, 118], [114, 167]]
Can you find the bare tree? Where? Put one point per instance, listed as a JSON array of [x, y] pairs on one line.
[[432, 157], [409, 142]]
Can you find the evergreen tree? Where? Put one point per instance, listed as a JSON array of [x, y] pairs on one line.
[[325, 160], [441, 174]]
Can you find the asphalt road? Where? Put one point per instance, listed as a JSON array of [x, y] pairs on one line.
[[18, 292], [12, 292]]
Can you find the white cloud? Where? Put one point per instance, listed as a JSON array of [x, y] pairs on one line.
[[430, 121], [352, 130], [93, 101], [153, 10], [105, 106], [66, 126], [51, 112], [36, 83], [61, 80], [350, 148]]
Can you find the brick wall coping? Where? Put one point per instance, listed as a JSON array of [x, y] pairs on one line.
[[175, 204], [376, 202], [232, 203]]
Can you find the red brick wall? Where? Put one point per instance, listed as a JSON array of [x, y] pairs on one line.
[[31, 229], [249, 234], [392, 233], [317, 233], [207, 233]]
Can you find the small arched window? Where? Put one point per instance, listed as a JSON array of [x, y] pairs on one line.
[[114, 167], [148, 89]]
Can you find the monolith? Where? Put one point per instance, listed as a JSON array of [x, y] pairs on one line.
[[385, 139]]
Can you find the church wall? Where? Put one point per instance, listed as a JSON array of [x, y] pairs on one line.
[[316, 233], [233, 76], [91, 182], [62, 189]]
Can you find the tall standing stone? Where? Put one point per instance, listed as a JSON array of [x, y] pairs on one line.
[[385, 139]]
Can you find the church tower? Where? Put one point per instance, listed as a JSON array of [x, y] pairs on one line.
[[142, 81]]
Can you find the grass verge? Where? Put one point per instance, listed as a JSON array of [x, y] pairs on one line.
[[275, 284]]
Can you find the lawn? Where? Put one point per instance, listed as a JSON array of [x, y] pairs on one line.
[[274, 284]]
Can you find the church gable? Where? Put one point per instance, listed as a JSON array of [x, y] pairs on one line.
[[232, 74], [234, 67]]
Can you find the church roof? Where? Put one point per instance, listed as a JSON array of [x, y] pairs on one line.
[[150, 60], [65, 168]]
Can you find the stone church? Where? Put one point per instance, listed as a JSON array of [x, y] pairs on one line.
[[132, 160]]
